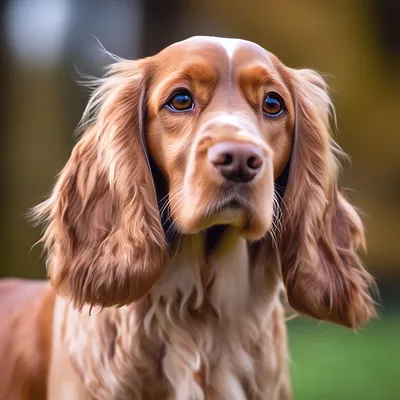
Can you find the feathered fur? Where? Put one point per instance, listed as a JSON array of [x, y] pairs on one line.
[[169, 276]]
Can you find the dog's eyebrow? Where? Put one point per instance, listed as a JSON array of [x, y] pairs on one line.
[[194, 73], [257, 74], [197, 69]]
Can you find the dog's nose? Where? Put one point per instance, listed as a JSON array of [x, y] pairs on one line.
[[239, 162]]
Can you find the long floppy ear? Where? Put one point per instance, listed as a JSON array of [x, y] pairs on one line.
[[104, 237], [322, 272]]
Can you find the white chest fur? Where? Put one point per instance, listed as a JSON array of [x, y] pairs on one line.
[[207, 330]]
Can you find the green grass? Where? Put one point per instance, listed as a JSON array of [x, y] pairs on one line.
[[333, 363]]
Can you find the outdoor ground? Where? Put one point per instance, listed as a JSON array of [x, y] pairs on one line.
[[334, 363]]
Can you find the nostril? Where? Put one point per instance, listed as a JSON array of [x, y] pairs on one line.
[[228, 159], [221, 158], [254, 162]]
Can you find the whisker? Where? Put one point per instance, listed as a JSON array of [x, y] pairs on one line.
[[280, 198]]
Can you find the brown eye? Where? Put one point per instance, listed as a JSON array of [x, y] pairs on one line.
[[181, 101], [273, 105]]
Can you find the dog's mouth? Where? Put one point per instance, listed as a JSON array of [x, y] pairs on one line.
[[232, 207], [234, 211], [234, 204]]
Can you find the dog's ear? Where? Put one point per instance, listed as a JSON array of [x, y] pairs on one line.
[[104, 237], [322, 272]]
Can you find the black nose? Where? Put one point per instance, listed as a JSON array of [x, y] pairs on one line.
[[238, 162]]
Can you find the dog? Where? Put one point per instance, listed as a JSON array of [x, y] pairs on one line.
[[201, 196]]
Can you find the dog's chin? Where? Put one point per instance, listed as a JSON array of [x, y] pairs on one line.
[[234, 215]]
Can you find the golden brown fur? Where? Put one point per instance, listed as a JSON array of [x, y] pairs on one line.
[[26, 310], [170, 274]]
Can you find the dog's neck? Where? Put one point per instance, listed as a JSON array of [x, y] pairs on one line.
[[206, 270], [213, 301], [209, 324]]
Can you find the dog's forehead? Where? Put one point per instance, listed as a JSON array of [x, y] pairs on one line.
[[230, 46]]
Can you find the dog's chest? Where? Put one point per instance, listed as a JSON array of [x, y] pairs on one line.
[[215, 337], [199, 321], [190, 339]]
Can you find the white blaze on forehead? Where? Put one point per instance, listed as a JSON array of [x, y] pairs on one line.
[[245, 128], [230, 45], [229, 119], [237, 119]]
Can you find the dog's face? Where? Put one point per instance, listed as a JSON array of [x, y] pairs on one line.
[[218, 121], [220, 124]]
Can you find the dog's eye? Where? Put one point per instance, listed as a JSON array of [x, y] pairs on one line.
[[273, 105], [181, 101]]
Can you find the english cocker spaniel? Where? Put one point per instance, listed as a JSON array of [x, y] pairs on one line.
[[204, 186]]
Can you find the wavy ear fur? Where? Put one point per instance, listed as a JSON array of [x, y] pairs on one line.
[[322, 272], [104, 237]]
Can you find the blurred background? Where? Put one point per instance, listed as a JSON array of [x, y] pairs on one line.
[[355, 43]]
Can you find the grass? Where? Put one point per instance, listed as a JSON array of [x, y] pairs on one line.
[[331, 363]]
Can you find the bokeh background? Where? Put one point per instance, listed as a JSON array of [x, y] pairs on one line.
[[355, 43]]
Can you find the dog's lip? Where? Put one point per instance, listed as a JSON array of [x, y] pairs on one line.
[[230, 210], [233, 211], [234, 202]]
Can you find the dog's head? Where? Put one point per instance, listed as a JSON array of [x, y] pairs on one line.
[[208, 132]]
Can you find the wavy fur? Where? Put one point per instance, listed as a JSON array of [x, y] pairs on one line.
[[322, 272], [200, 317], [104, 237]]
